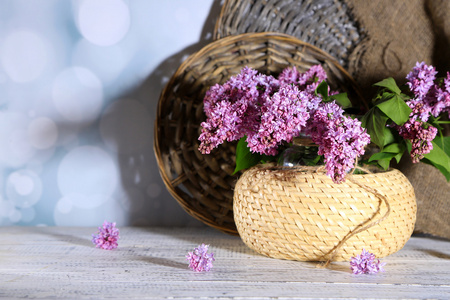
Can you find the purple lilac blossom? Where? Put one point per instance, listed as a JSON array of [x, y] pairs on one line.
[[438, 99], [341, 139], [420, 134], [271, 112], [446, 97], [233, 109], [239, 107], [430, 99], [283, 117], [421, 79], [200, 260], [312, 78], [289, 75], [307, 81], [365, 263], [107, 236]]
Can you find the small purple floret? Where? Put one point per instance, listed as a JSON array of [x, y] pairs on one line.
[[106, 237], [365, 263], [200, 260]]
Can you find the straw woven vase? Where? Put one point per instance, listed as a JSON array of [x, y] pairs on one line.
[[302, 215]]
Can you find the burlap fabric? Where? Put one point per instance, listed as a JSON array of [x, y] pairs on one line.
[[432, 196], [400, 33]]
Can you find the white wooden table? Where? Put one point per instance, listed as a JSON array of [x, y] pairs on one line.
[[56, 262]]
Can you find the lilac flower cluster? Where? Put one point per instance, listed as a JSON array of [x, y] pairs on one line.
[[431, 98], [307, 81], [421, 79], [420, 134], [341, 139], [200, 260], [282, 118], [106, 237], [233, 108], [365, 263], [271, 112]]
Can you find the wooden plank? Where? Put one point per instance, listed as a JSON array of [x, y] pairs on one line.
[[43, 262]]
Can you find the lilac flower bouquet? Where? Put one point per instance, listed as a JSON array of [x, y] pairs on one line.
[[265, 114]]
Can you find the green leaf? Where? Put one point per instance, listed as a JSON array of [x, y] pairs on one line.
[[390, 84], [395, 148], [384, 159], [244, 157], [382, 96], [382, 156], [443, 143], [408, 145], [342, 100], [384, 163], [375, 123], [399, 156], [438, 156], [405, 97], [436, 123], [386, 96], [396, 109], [322, 89], [312, 161]]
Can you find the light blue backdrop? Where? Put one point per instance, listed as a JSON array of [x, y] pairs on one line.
[[79, 85]]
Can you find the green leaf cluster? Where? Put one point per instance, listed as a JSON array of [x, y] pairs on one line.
[[389, 108]]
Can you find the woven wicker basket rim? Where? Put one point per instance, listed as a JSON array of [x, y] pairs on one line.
[[272, 35], [319, 172], [318, 169], [185, 202], [343, 31]]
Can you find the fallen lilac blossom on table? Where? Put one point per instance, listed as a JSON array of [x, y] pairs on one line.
[[106, 237], [200, 260], [365, 263]]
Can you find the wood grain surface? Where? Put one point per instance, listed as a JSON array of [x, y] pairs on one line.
[[62, 263]]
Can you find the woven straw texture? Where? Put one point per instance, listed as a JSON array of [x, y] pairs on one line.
[[203, 184], [327, 24], [304, 215]]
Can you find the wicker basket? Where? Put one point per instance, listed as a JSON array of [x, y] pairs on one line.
[[326, 24], [203, 184], [302, 215]]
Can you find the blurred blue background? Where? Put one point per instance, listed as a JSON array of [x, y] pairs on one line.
[[79, 85]]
